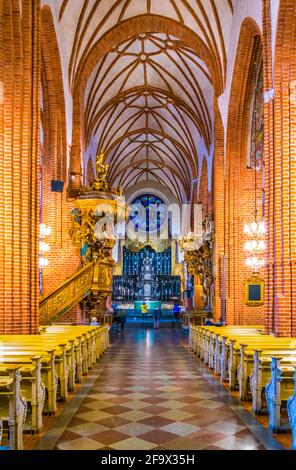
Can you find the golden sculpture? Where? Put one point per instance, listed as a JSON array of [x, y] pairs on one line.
[[100, 182], [101, 167], [198, 253]]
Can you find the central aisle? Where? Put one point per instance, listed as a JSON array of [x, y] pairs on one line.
[[150, 395]]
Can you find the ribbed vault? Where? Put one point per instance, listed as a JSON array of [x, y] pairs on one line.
[[143, 76]]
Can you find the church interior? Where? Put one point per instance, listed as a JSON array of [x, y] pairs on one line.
[[147, 225]]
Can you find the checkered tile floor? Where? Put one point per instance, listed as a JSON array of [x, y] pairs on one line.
[[149, 395]]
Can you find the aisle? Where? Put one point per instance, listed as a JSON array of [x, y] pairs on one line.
[[150, 395]]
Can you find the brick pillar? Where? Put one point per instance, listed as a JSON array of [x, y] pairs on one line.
[[240, 187], [219, 213], [19, 166], [63, 256], [280, 116]]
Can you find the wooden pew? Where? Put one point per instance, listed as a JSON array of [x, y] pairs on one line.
[[64, 354], [246, 365], [96, 339], [32, 389], [238, 371], [261, 374], [247, 346], [213, 347], [48, 376], [291, 408], [278, 390], [205, 338], [13, 407], [37, 346]]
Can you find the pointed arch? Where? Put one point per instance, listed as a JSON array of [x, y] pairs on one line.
[[240, 187]]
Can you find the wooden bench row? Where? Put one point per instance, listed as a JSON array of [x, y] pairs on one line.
[[260, 366], [37, 371]]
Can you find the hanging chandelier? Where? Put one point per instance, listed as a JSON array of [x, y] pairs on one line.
[[255, 247], [255, 228]]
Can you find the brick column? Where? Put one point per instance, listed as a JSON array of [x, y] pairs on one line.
[[19, 166], [280, 116], [219, 212], [240, 187]]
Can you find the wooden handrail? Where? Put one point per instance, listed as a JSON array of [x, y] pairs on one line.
[[72, 291]]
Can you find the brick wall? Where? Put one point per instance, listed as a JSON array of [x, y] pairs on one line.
[[56, 208], [203, 187], [75, 315]]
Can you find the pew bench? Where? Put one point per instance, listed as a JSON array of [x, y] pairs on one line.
[[238, 371], [278, 391], [28, 347], [35, 369], [48, 377], [32, 389], [247, 359], [291, 409], [13, 406], [261, 374]]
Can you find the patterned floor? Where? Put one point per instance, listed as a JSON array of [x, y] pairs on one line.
[[150, 395]]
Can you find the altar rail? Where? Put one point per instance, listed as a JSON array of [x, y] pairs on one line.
[[72, 291]]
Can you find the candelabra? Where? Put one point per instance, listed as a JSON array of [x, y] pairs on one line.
[[255, 247]]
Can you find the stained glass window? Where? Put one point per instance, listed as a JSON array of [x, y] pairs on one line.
[[257, 129], [148, 213]]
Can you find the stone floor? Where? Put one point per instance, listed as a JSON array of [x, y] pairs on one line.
[[150, 393]]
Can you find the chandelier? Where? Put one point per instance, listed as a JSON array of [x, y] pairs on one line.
[[255, 246]]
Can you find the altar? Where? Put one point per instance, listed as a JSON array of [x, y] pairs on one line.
[[151, 304], [146, 277]]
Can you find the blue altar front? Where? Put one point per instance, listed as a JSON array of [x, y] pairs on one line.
[[151, 304]]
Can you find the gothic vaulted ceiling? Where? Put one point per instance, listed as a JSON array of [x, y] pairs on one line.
[[148, 101]]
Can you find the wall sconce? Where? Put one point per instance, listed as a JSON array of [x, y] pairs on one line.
[[45, 231]]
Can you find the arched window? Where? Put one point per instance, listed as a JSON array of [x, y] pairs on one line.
[[257, 123], [149, 213]]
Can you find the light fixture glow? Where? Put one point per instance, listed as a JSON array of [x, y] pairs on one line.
[[43, 262]]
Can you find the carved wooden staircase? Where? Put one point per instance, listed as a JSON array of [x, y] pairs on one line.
[[72, 291]]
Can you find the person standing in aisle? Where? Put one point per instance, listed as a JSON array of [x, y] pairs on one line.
[[156, 319], [144, 310], [176, 312]]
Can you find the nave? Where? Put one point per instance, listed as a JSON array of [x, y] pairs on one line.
[[150, 393]]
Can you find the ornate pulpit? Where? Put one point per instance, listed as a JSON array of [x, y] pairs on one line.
[[98, 208]]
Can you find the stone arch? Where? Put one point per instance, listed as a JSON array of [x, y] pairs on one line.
[[118, 34], [239, 190]]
